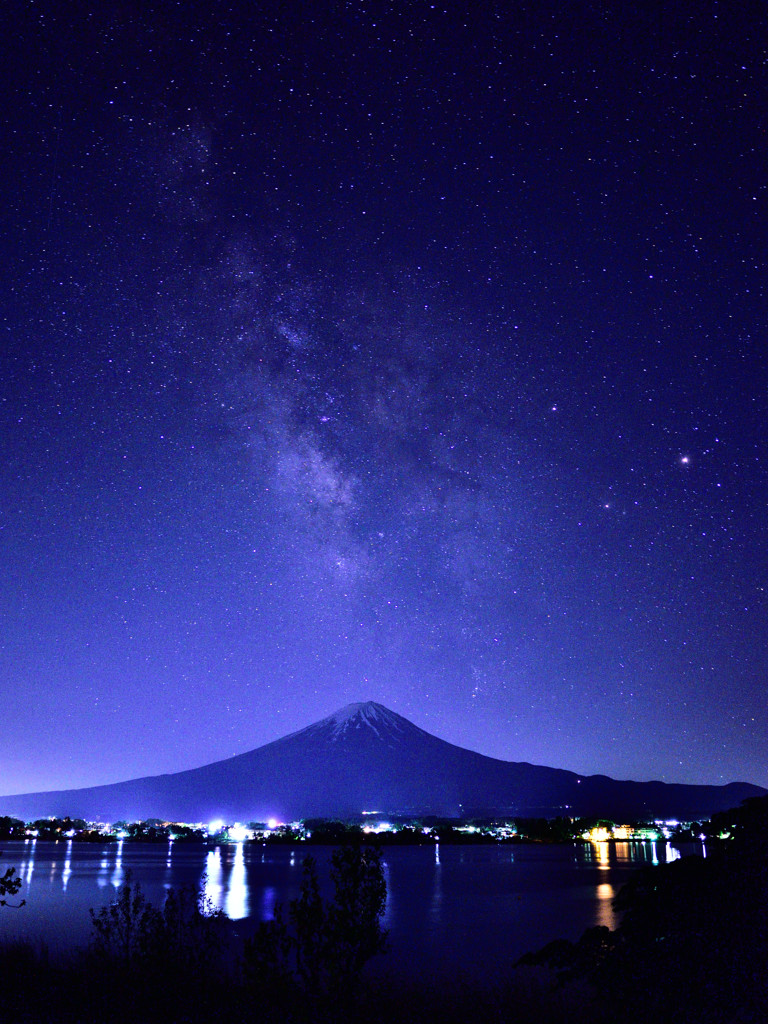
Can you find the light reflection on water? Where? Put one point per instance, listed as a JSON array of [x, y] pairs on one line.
[[476, 905], [103, 867], [118, 875], [435, 906], [605, 914], [391, 904], [30, 867], [210, 882], [236, 903], [224, 881], [67, 873]]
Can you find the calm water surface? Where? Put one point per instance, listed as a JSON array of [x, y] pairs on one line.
[[465, 909]]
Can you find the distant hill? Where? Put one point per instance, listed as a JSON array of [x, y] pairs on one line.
[[367, 758]]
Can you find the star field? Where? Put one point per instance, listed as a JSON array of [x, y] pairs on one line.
[[384, 352]]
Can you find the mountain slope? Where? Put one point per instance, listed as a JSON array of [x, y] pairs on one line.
[[366, 757]]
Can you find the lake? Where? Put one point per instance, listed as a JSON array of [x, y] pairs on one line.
[[468, 910]]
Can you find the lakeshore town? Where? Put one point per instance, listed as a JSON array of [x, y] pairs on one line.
[[372, 826]]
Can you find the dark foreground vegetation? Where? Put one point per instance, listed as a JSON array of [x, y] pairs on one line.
[[692, 947]]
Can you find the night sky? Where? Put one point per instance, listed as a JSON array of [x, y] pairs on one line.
[[384, 351]]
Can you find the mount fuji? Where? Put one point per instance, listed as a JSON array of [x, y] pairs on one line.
[[367, 758]]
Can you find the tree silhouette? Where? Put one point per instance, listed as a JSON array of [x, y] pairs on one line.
[[325, 944], [10, 883]]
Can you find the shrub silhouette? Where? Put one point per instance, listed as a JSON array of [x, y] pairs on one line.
[[131, 931], [324, 944], [10, 883]]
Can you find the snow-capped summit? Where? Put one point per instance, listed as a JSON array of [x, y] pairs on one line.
[[365, 714], [366, 723]]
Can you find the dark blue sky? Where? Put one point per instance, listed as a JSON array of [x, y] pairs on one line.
[[384, 352]]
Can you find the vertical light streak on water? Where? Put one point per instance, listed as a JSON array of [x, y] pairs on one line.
[[66, 873], [101, 879], [605, 894], [436, 903], [210, 881], [654, 855], [30, 862], [603, 854], [672, 853], [640, 853], [622, 851], [118, 874], [237, 900], [386, 919], [168, 876]]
